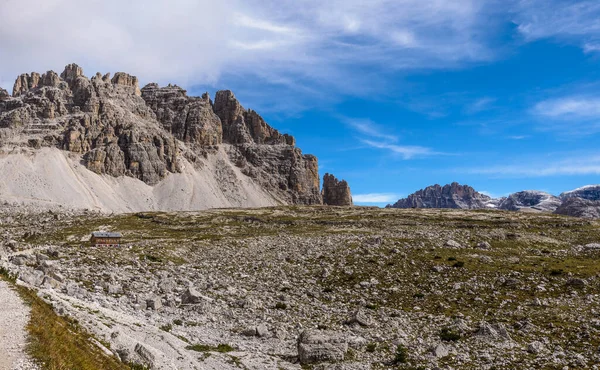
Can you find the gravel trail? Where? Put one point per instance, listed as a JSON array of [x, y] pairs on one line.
[[14, 316]]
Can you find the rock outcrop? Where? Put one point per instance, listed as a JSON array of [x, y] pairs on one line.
[[448, 196], [189, 119], [579, 207], [241, 126], [530, 200], [335, 192], [119, 129]]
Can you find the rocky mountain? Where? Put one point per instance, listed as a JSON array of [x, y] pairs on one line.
[[582, 202], [336, 192], [589, 192], [530, 200], [448, 196], [185, 152]]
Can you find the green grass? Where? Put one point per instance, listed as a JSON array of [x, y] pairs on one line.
[[57, 342], [222, 348]]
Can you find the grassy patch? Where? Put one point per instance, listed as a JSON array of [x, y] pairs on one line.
[[223, 348], [59, 342]]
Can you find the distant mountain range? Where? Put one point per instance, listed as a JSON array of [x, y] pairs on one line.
[[581, 202]]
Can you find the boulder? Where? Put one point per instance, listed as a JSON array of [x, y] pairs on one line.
[[154, 303], [453, 244], [192, 296], [321, 346]]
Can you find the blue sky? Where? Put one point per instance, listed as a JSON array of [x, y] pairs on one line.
[[390, 95]]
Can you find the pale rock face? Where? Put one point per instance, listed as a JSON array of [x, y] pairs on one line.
[[127, 80], [241, 126], [336, 192], [189, 119], [321, 346], [530, 200], [26, 82], [71, 73]]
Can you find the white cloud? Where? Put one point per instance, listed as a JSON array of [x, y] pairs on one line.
[[375, 198], [591, 48], [569, 107], [479, 105], [405, 151], [193, 42], [367, 127], [574, 21]]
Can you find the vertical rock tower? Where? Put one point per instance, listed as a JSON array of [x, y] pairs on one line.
[[335, 192]]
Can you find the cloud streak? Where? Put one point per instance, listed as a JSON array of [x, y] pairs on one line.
[[404, 151], [375, 198], [569, 107], [204, 42], [369, 128], [572, 166], [571, 21]]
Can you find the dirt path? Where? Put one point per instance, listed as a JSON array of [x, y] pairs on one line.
[[14, 316]]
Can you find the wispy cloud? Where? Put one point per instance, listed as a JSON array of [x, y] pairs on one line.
[[369, 128], [571, 21], [375, 198], [312, 42], [569, 107], [405, 151], [591, 47], [479, 105], [572, 166], [377, 136]]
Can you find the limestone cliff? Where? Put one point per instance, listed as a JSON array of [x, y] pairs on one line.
[[118, 129]]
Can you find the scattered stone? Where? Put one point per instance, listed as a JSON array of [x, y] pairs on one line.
[[484, 245], [192, 296], [576, 282], [452, 244], [154, 303], [535, 347], [321, 346], [440, 350]]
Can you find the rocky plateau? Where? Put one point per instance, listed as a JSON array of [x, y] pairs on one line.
[[319, 287]]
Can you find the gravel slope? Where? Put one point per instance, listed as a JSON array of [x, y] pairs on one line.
[[13, 318]]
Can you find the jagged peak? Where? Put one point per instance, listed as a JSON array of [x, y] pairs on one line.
[[4, 94], [125, 79], [71, 73]]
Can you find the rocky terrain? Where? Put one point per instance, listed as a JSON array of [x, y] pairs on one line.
[[117, 147], [582, 202], [321, 287]]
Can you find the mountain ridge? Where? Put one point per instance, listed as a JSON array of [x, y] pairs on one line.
[[226, 155], [460, 196]]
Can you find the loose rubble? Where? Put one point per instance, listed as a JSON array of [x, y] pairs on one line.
[[320, 287]]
